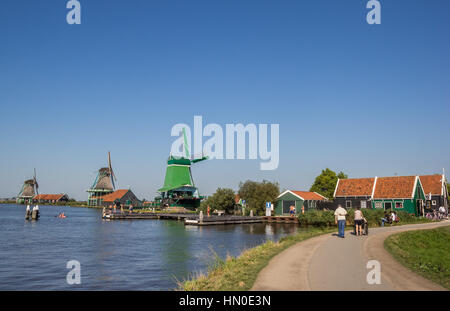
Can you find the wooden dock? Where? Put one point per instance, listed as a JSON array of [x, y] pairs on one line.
[[281, 219], [126, 215], [222, 220], [188, 218], [194, 219]]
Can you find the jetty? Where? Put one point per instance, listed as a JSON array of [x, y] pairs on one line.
[[281, 219], [187, 218]]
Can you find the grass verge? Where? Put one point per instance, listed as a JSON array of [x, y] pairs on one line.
[[239, 273], [426, 252]]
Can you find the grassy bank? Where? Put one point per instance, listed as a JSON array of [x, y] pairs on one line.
[[426, 252], [239, 273]]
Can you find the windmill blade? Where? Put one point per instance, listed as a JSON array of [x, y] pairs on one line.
[[186, 147], [112, 181], [36, 185], [110, 167], [113, 176], [192, 178]]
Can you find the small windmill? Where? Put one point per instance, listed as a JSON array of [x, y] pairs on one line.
[[29, 190], [103, 183], [105, 177]]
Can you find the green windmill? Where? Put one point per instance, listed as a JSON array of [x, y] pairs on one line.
[[179, 189]]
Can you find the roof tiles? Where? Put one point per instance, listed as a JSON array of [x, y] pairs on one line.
[[355, 187], [431, 184]]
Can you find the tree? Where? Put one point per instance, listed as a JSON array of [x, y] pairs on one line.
[[256, 194], [325, 183], [222, 199]]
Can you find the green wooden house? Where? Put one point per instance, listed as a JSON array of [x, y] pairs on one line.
[[403, 193], [298, 199]]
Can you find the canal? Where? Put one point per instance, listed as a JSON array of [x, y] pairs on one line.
[[114, 255]]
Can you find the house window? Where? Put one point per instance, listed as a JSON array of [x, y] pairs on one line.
[[363, 204], [348, 204], [433, 202], [378, 205], [387, 205], [398, 204]]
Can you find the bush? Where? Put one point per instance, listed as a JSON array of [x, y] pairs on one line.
[[319, 218]]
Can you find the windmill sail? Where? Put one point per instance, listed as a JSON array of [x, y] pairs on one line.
[[36, 185], [113, 176]]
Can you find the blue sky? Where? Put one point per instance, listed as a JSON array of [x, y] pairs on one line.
[[365, 99]]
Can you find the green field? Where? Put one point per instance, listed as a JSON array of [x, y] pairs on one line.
[[426, 252]]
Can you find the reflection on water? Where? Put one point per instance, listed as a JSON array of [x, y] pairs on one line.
[[114, 255]]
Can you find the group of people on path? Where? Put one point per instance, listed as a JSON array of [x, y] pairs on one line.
[[389, 217], [340, 219], [437, 214]]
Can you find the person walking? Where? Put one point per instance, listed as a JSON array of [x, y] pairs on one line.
[[442, 212], [358, 221], [339, 219]]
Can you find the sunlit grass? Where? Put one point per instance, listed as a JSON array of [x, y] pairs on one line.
[[426, 252]]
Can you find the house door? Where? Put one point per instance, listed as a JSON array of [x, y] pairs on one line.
[[287, 205], [419, 208]]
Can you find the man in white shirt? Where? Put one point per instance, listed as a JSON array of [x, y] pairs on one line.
[[442, 212], [339, 218]]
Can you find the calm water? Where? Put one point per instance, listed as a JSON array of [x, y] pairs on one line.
[[114, 255]]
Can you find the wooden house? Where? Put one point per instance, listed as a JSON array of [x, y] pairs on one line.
[[123, 196], [396, 193], [435, 188], [50, 198], [299, 199]]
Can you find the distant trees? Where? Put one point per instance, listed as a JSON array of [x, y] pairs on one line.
[[222, 199], [256, 194], [325, 183]]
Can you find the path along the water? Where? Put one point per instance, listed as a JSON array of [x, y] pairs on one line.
[[328, 263]]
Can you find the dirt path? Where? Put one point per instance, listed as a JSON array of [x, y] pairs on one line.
[[331, 263]]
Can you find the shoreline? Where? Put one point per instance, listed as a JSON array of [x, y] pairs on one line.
[[239, 273], [50, 204]]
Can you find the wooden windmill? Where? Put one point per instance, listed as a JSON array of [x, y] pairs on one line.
[[103, 184], [29, 190], [179, 189]]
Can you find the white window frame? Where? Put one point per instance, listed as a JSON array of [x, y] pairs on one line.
[[378, 204], [433, 202], [401, 205], [346, 204], [388, 202], [365, 202]]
